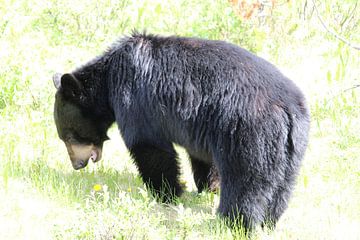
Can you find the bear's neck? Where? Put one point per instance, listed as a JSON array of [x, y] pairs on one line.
[[94, 78]]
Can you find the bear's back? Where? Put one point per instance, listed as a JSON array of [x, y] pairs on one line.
[[189, 72], [210, 64]]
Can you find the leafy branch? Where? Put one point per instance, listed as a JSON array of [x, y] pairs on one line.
[[357, 47]]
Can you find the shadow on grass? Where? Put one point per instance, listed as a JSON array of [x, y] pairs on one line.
[[76, 187]]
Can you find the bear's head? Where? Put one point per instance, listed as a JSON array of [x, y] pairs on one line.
[[82, 133]]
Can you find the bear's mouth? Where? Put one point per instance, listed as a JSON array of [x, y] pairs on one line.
[[95, 154], [81, 154], [79, 164]]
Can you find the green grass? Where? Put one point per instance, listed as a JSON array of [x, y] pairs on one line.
[[42, 197]]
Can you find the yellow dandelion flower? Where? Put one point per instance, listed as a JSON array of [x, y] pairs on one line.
[[129, 189], [97, 187]]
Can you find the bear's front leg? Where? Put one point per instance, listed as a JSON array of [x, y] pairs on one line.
[[159, 169]]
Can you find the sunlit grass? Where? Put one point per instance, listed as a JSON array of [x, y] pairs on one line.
[[42, 197]]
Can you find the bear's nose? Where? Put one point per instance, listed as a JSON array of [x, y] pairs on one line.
[[79, 164]]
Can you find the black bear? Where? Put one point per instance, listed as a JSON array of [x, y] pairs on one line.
[[231, 110]]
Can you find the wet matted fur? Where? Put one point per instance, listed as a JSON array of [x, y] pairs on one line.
[[242, 122]]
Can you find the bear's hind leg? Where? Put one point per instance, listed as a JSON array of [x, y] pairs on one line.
[[247, 185], [280, 200], [284, 188], [205, 175], [159, 169], [244, 199], [276, 207]]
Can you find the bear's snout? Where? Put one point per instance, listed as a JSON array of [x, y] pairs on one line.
[[78, 164], [80, 154]]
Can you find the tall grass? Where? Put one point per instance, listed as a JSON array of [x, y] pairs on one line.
[[43, 198]]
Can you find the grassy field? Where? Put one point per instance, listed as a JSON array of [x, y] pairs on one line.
[[42, 197]]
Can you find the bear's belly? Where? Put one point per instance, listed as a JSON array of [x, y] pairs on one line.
[[200, 154]]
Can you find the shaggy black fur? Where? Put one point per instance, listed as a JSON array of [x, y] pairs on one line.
[[227, 107]]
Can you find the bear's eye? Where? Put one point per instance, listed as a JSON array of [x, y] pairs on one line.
[[70, 138], [76, 137]]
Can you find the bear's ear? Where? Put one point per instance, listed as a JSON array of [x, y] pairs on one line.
[[71, 86], [57, 80]]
